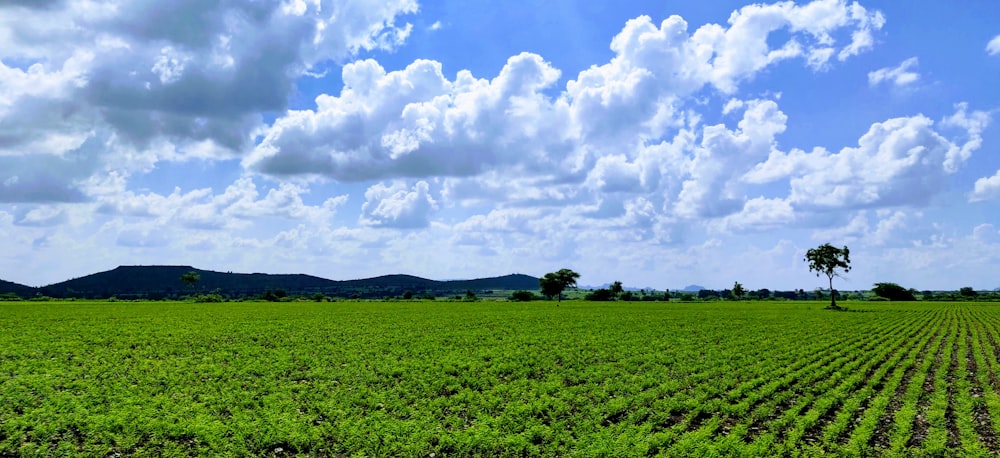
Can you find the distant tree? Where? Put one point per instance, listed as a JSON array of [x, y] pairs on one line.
[[469, 295], [893, 292], [708, 294], [828, 260], [191, 279], [968, 292], [738, 292], [522, 296], [616, 289], [408, 295], [628, 296], [600, 295], [763, 294], [554, 283]]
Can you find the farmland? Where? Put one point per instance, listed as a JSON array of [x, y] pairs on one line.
[[493, 378]]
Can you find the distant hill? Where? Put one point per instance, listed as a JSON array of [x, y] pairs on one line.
[[693, 288], [157, 282], [23, 291]]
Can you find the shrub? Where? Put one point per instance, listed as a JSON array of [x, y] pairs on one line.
[[601, 295], [523, 296], [893, 292]]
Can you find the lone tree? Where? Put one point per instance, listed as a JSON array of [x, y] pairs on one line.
[[191, 278], [554, 283], [616, 288], [827, 259], [738, 291]]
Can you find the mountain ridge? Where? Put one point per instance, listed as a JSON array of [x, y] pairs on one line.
[[164, 281]]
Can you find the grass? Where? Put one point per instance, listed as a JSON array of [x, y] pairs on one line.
[[495, 378]]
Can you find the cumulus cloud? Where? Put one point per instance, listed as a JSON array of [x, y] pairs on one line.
[[417, 123], [133, 76], [759, 214], [724, 155], [902, 75], [239, 203], [877, 228], [993, 47], [986, 188], [397, 205], [900, 161]]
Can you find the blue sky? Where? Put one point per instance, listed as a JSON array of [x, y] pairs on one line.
[[660, 143]]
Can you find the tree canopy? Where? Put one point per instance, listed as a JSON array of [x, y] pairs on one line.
[[554, 283], [191, 278], [893, 292], [829, 260]]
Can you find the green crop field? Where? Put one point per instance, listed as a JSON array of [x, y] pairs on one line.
[[493, 378]]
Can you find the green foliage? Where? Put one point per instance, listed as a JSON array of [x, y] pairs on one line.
[[967, 292], [522, 296], [893, 292], [203, 298], [616, 288], [277, 295], [597, 379], [738, 292], [191, 278], [554, 283], [829, 260], [600, 295]]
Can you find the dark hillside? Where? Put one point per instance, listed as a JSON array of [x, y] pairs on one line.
[[512, 282], [157, 282], [165, 281], [20, 290]]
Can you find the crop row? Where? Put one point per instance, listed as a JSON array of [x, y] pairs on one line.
[[488, 379]]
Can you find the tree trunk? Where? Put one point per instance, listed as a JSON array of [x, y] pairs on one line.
[[833, 295]]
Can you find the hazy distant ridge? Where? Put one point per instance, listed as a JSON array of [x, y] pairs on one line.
[[164, 281]]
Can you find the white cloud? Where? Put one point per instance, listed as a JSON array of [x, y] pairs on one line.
[[724, 155], [993, 47], [141, 77], [416, 123], [397, 205], [234, 208], [899, 76], [986, 188], [759, 214], [901, 161], [890, 228]]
